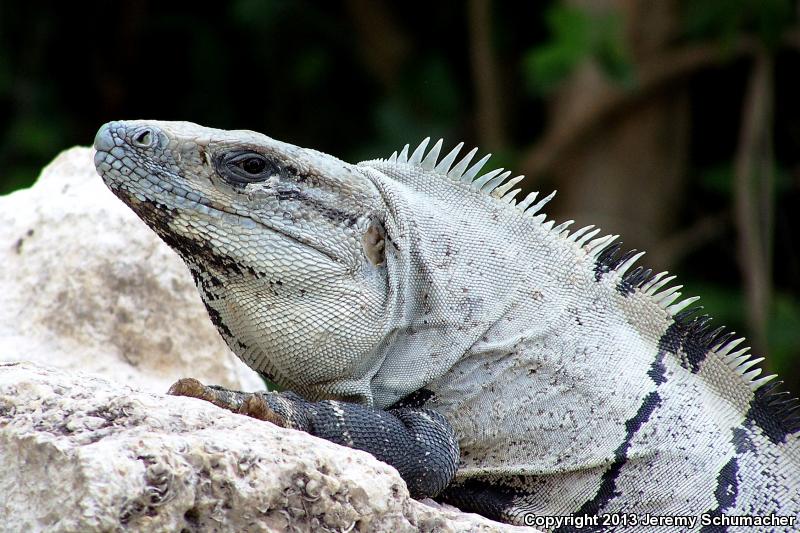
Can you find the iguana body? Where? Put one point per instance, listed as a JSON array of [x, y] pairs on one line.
[[574, 383]]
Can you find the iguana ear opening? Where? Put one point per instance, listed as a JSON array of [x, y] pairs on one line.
[[374, 243]]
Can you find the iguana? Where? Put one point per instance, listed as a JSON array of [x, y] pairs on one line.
[[417, 311]]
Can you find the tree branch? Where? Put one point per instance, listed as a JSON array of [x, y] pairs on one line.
[[384, 46], [655, 75], [753, 195], [489, 108], [674, 248]]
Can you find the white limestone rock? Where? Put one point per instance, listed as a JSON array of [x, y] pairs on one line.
[[85, 285], [78, 453]]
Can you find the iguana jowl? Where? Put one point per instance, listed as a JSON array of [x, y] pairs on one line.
[[410, 302]]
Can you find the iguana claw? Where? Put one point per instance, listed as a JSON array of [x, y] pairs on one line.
[[252, 404]]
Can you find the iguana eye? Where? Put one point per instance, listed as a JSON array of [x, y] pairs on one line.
[[253, 165], [241, 168]]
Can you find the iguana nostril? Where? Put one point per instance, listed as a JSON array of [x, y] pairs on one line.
[[143, 138]]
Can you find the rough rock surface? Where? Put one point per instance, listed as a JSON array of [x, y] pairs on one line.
[[78, 453], [85, 285]]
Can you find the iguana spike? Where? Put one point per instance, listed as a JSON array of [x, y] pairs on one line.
[[730, 345], [403, 156], [722, 341], [647, 285], [548, 225], [606, 259], [416, 156], [430, 160], [580, 231], [470, 174], [750, 376], [500, 191], [659, 280], [683, 304], [456, 172], [747, 364], [742, 360], [684, 316], [540, 204], [563, 226], [738, 357], [494, 182], [480, 182], [664, 295], [710, 338], [444, 165], [625, 264], [509, 198], [636, 277], [755, 384], [586, 238], [666, 298], [528, 200], [393, 157], [597, 245]]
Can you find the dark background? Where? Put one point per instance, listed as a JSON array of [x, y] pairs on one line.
[[673, 123]]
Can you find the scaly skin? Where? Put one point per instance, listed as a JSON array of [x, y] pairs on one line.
[[293, 291], [409, 303]]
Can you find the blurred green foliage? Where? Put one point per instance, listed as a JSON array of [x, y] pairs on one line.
[[576, 36], [729, 19], [719, 180]]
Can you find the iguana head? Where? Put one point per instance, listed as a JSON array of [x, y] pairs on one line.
[[363, 282], [294, 236]]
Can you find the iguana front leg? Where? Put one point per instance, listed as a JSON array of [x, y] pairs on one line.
[[419, 443]]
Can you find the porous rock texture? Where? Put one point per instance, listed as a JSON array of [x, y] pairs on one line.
[[79, 453], [85, 285]]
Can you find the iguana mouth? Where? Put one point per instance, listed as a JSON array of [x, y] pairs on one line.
[[212, 209]]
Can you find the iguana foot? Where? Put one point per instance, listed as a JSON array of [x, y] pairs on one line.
[[253, 404], [419, 443]]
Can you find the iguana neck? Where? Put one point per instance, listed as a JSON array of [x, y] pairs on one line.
[[443, 298]]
